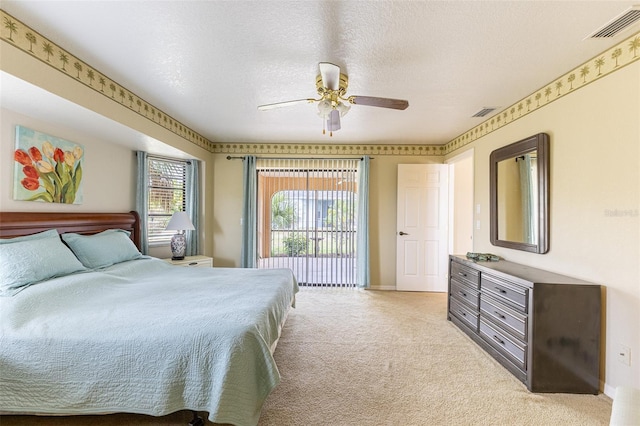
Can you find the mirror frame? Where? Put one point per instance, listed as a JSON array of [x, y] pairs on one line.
[[539, 142]]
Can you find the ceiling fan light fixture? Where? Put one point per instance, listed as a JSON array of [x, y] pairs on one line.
[[343, 109], [333, 101], [324, 108]]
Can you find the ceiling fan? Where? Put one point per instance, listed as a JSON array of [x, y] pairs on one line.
[[333, 102]]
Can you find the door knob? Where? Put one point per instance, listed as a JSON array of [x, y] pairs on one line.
[[402, 233]]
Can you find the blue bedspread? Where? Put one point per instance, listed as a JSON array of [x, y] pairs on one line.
[[145, 337]]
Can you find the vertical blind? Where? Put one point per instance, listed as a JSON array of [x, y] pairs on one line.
[[307, 219], [166, 184]]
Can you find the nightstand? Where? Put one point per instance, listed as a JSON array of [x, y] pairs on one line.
[[192, 261]]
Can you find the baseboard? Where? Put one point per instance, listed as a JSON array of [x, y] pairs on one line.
[[384, 287]]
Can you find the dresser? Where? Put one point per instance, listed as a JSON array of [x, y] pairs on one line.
[[541, 326]]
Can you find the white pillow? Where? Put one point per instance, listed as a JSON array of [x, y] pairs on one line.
[[104, 249]]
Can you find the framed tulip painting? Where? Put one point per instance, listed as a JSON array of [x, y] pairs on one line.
[[47, 168]]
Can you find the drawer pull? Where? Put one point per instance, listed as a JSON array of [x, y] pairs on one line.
[[462, 274], [497, 339], [464, 314], [193, 263], [499, 315], [462, 293], [501, 290]]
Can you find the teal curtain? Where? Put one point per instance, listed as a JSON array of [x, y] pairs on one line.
[[362, 233], [249, 251], [192, 195], [142, 199]]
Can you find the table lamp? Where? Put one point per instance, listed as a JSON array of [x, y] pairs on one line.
[[179, 222]]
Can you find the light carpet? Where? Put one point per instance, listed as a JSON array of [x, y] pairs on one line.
[[354, 357]]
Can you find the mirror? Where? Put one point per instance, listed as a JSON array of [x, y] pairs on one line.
[[519, 195]]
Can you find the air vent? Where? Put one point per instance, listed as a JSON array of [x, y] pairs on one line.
[[620, 23], [484, 111]]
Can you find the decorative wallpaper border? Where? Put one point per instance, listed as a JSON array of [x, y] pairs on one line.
[[609, 61], [31, 42], [35, 44], [328, 149]]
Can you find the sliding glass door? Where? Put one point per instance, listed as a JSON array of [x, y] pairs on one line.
[[307, 219]]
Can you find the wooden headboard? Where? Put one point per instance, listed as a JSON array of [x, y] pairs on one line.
[[16, 224]]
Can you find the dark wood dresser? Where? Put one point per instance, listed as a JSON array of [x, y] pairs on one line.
[[543, 327]]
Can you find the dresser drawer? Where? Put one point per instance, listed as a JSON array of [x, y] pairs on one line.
[[507, 318], [506, 345], [512, 295], [465, 275], [464, 294], [192, 262], [464, 314]]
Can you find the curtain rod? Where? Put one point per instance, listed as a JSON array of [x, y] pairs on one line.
[[170, 159], [229, 157]]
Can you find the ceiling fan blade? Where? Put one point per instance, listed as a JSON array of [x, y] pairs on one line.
[[330, 75], [379, 102], [333, 122], [285, 104]]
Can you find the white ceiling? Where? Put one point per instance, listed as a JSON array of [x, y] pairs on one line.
[[209, 64]]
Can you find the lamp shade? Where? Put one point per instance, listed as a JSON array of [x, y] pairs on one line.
[[180, 222], [343, 109], [324, 109]]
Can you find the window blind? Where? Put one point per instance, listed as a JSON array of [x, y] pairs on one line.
[[306, 212], [167, 194]]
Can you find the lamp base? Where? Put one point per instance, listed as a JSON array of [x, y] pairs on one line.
[[178, 246]]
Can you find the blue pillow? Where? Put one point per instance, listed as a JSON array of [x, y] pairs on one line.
[[28, 260], [104, 249], [51, 233]]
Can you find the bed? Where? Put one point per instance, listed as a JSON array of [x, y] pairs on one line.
[[139, 335]]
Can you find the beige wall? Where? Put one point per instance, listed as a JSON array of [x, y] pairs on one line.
[[382, 181], [109, 172], [227, 211], [105, 189], [108, 186], [594, 203]]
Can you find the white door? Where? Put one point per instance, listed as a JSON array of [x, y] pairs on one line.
[[421, 234]]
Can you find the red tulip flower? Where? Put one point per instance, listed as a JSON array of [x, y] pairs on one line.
[[30, 184], [58, 155], [30, 172], [22, 157], [35, 154]]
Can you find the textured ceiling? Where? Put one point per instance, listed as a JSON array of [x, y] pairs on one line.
[[209, 64]]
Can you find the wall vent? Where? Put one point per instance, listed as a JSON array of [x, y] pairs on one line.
[[484, 111], [618, 24]]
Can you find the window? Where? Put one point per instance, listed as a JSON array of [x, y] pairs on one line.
[[167, 194]]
